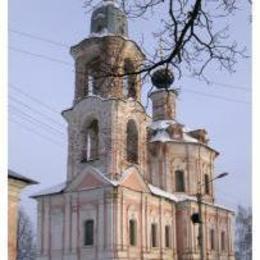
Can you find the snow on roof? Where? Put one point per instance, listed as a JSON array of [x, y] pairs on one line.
[[161, 124], [104, 33], [156, 90], [161, 136], [106, 3], [188, 138], [179, 197], [52, 190], [157, 191], [114, 183]]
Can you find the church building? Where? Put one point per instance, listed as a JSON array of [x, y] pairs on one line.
[[132, 178]]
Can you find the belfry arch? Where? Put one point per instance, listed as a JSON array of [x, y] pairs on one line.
[[129, 80], [90, 149]]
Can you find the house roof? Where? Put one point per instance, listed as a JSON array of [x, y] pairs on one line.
[[51, 190], [16, 176]]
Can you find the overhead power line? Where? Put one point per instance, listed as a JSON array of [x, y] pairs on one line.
[[38, 101], [32, 36], [215, 96], [32, 119], [40, 38], [32, 109], [36, 133], [68, 64], [220, 84], [40, 56]]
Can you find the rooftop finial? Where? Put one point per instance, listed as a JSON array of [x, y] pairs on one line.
[[160, 48]]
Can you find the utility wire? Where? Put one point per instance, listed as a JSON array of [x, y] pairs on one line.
[[220, 84], [40, 129], [29, 35], [36, 133], [38, 101], [37, 55], [32, 109], [68, 64], [32, 36], [215, 96], [223, 85], [28, 117]]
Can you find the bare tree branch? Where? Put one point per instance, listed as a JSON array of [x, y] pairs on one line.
[[190, 33]]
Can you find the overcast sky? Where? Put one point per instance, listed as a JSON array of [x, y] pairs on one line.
[[41, 87]]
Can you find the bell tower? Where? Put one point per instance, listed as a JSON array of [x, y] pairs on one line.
[[107, 123], [105, 56]]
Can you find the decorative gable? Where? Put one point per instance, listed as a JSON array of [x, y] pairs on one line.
[[89, 178], [133, 180]]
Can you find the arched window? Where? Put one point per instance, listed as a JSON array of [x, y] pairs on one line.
[[90, 85], [206, 180], [132, 232], [132, 142], [129, 81], [154, 235], [89, 232], [92, 70], [91, 149], [179, 181]]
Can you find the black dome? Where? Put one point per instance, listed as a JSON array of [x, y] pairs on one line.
[[162, 78]]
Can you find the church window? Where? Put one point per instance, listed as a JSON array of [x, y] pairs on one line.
[[179, 179], [89, 232], [206, 180], [91, 141], [91, 77], [167, 236], [223, 240], [154, 234], [90, 85], [132, 232], [132, 142], [212, 239], [129, 80]]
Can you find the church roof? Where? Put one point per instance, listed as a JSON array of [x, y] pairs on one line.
[[180, 197], [58, 188], [160, 133], [16, 176], [139, 185]]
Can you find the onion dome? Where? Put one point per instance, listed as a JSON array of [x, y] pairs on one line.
[[162, 78], [108, 18]]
